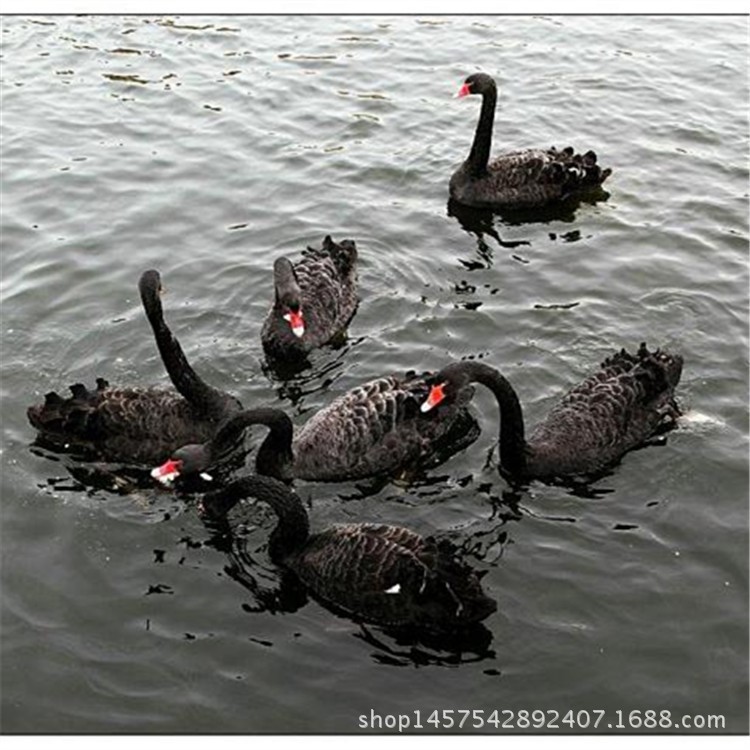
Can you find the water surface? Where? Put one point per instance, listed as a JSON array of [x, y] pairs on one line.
[[207, 147]]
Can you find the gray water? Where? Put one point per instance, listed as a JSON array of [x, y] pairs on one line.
[[207, 147]]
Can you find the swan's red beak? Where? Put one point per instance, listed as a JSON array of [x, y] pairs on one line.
[[295, 321], [167, 472], [436, 395], [463, 91]]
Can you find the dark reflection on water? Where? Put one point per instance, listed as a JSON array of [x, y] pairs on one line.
[[482, 223], [469, 646], [295, 380], [274, 591], [481, 220], [92, 475]]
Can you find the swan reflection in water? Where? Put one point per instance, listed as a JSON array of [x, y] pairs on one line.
[[481, 223], [295, 379], [90, 474]]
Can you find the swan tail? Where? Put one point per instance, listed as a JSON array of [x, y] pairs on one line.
[[656, 372], [72, 416], [574, 170], [659, 372], [457, 586], [343, 254]]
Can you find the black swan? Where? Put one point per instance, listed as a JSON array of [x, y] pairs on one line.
[[138, 425], [517, 179], [375, 429], [314, 300], [624, 403], [382, 574]]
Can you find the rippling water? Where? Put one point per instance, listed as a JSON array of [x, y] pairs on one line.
[[207, 147]]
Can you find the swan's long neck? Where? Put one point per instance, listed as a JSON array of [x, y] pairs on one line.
[[479, 155], [275, 453], [285, 283], [182, 375], [512, 434], [293, 528]]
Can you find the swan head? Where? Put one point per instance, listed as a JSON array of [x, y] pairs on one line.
[[150, 281], [451, 385], [188, 460], [477, 83], [151, 289], [288, 295]]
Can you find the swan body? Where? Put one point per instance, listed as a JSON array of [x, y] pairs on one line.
[[629, 399], [518, 179], [382, 574], [372, 430], [138, 425], [133, 425], [314, 300]]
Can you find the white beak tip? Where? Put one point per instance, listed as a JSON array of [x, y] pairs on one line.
[[164, 478]]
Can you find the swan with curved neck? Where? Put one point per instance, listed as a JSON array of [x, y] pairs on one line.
[[618, 408], [372, 430], [275, 457], [382, 574], [314, 300], [517, 179], [138, 425]]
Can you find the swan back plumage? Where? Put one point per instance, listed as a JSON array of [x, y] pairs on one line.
[[625, 402], [392, 575], [133, 425], [373, 429], [528, 178]]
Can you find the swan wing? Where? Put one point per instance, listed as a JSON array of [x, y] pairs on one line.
[[530, 177], [622, 404], [372, 429], [124, 424], [390, 575], [329, 298]]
